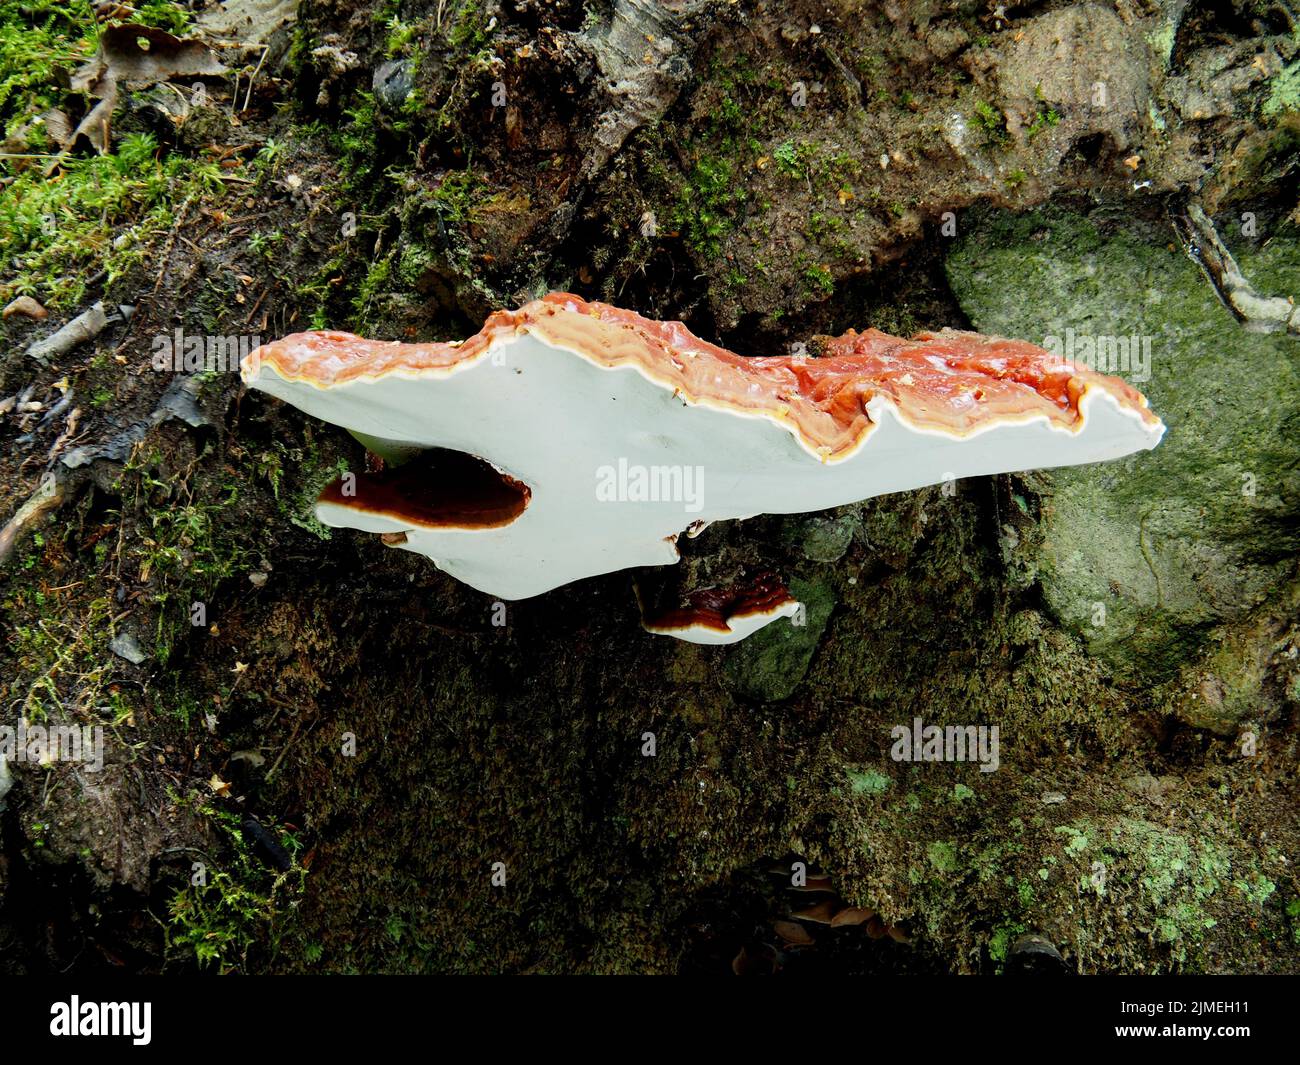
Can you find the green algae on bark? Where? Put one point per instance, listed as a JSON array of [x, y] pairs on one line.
[[1143, 556]]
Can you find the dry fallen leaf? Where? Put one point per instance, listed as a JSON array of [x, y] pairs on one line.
[[58, 126], [26, 306], [136, 56], [139, 56]]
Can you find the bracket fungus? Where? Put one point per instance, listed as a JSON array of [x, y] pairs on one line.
[[718, 614], [570, 438]]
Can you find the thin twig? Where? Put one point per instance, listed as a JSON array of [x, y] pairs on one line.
[[171, 241], [288, 743], [249, 95]]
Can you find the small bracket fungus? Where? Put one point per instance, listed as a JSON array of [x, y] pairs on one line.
[[576, 438], [718, 615]]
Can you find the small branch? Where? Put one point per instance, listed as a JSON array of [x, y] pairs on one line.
[[47, 497], [1259, 314], [86, 326]]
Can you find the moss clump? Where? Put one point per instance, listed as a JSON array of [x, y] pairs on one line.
[[1002, 938], [992, 123], [57, 233], [943, 856], [771, 664], [222, 914], [706, 205], [868, 782], [37, 39], [62, 660], [819, 278], [185, 546], [1283, 91], [1176, 876], [65, 216], [794, 158]]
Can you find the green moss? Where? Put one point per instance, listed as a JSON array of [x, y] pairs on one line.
[[185, 548], [319, 290], [868, 782], [317, 472], [1283, 91], [706, 205], [820, 226], [993, 123], [36, 39], [819, 279], [469, 31], [770, 665], [1045, 116], [414, 263], [1177, 875], [61, 660], [456, 196], [358, 143], [1077, 841], [794, 159], [943, 856], [1258, 889], [58, 220], [103, 212], [172, 17], [400, 35], [1002, 938], [230, 911], [377, 281]]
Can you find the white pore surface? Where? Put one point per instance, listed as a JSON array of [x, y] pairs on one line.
[[551, 418]]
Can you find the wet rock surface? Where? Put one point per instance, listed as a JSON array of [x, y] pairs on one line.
[[1143, 556]]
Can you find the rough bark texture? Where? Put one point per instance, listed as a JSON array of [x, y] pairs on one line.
[[768, 172]]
